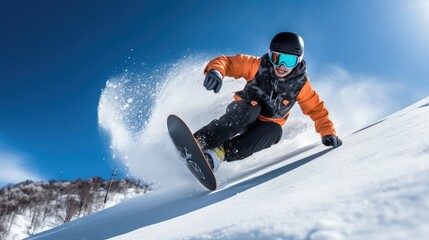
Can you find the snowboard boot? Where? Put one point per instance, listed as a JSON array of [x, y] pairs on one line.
[[215, 156]]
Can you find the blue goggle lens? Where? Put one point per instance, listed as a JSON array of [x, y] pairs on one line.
[[289, 60]]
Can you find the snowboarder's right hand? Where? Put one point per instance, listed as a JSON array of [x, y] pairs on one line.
[[213, 81], [332, 140]]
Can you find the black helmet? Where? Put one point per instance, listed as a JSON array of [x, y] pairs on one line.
[[288, 42]]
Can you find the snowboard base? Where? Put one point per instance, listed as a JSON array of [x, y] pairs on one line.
[[189, 149]]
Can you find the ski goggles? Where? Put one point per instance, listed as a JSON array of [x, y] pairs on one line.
[[288, 60]]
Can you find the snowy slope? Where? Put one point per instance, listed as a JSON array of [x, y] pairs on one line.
[[376, 186]]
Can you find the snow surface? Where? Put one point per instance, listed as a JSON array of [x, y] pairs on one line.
[[375, 186]]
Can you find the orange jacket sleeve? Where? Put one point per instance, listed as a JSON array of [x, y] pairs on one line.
[[313, 106], [238, 66]]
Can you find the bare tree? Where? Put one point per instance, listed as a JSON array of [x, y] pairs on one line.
[[50, 196], [72, 206], [85, 195]]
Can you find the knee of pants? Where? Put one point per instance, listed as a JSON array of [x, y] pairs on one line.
[[263, 135], [278, 130], [244, 111]]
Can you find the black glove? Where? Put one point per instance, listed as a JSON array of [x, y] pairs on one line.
[[212, 82], [332, 140]]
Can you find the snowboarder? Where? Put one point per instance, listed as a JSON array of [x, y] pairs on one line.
[[253, 122]]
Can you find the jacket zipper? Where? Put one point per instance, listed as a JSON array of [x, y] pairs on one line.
[[274, 88]]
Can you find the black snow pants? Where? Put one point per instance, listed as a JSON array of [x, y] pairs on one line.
[[240, 131]]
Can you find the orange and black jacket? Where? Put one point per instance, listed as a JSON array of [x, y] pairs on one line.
[[276, 96]]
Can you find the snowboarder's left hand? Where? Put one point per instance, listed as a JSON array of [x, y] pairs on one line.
[[332, 140]]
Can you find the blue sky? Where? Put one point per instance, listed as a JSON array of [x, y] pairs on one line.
[[55, 58]]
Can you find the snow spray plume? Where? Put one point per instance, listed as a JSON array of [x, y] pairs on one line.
[[134, 107]]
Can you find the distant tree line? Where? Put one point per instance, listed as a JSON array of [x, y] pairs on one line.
[[59, 200]]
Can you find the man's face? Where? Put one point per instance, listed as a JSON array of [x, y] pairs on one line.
[[281, 71]]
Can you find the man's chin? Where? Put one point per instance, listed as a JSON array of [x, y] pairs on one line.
[[281, 74]]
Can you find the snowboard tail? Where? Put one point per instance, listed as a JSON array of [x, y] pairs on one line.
[[188, 147]]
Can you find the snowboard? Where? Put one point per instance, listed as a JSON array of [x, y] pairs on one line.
[[189, 149]]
